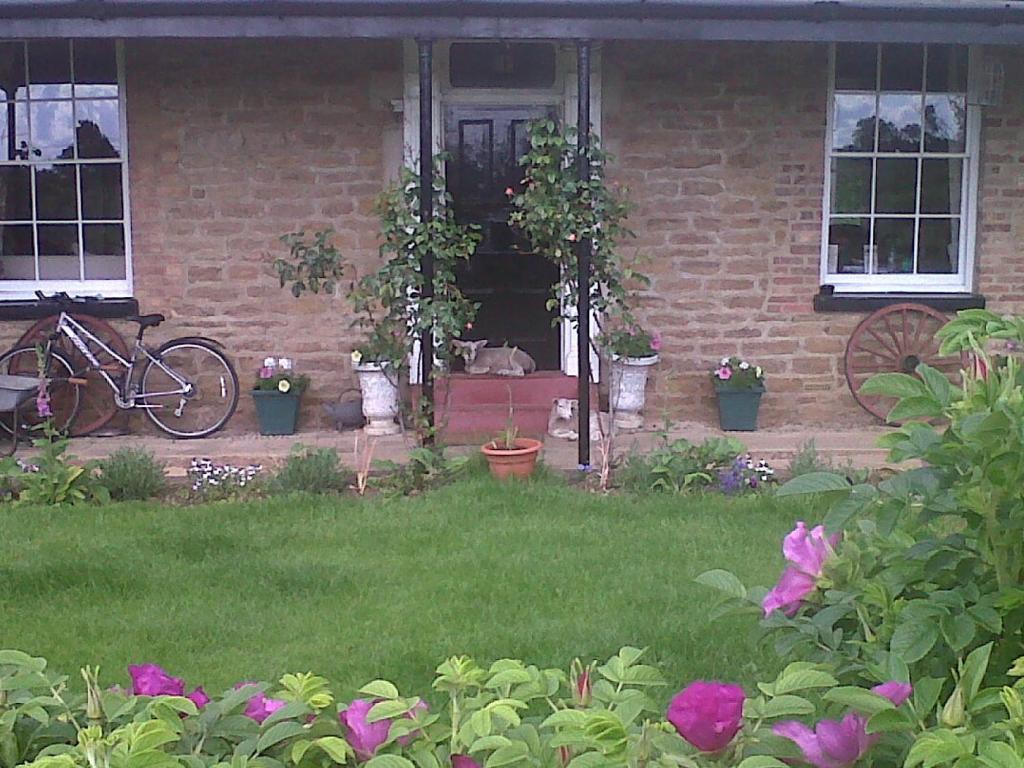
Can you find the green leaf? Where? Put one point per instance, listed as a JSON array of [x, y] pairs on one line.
[[998, 754], [899, 385], [787, 706], [389, 761], [800, 676], [723, 581], [958, 629], [890, 720], [565, 717], [975, 667], [937, 384], [859, 699], [380, 689], [385, 710], [278, 733], [814, 482], [924, 407], [761, 761], [507, 755], [913, 639]]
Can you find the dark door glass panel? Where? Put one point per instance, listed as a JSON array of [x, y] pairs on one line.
[[58, 252], [896, 185], [98, 129], [894, 246], [95, 69], [947, 69], [14, 130], [104, 251], [851, 185], [101, 191], [854, 123], [938, 246], [49, 69], [941, 183], [15, 193], [856, 66], [902, 68], [502, 65], [945, 123], [17, 249], [56, 193], [53, 130], [12, 71], [899, 122], [848, 240]]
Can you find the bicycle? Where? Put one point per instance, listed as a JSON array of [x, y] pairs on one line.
[[187, 386]]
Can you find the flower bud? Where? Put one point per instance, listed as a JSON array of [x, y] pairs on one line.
[[953, 715], [580, 678]]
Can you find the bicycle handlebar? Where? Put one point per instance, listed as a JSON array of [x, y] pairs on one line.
[[60, 298]]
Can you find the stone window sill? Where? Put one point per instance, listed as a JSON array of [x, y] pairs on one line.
[[33, 309], [829, 301]]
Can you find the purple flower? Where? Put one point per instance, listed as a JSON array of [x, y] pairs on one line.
[[724, 373], [656, 342], [839, 744], [807, 552], [198, 697], [420, 706], [266, 372], [152, 680], [464, 761], [364, 737], [707, 714], [260, 707]]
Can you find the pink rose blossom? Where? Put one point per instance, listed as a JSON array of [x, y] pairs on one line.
[[153, 680], [806, 552], [707, 714], [364, 737], [198, 697], [259, 707], [464, 761]]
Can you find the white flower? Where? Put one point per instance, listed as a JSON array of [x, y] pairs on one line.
[[269, 362], [724, 362], [286, 363], [357, 357], [744, 365], [758, 372], [283, 386]]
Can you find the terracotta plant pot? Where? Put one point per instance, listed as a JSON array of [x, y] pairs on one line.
[[517, 462]]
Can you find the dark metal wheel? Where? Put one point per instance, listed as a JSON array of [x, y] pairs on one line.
[[895, 339]]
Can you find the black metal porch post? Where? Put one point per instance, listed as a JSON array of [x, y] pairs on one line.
[[426, 173], [583, 248]]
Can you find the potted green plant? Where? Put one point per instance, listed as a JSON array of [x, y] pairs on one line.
[[509, 455], [277, 394], [739, 387], [632, 352]]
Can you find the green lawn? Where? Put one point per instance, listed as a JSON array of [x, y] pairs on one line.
[[358, 589]]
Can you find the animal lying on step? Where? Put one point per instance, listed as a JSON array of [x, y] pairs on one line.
[[499, 361]]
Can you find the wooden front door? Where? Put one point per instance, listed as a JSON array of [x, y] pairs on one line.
[[511, 283]]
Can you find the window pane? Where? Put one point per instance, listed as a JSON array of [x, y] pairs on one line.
[[894, 246], [13, 130], [945, 123], [95, 68], [101, 191], [49, 69], [941, 182], [56, 193], [12, 71], [104, 251], [856, 66], [15, 193], [53, 130], [896, 185], [854, 123], [99, 129], [851, 185], [17, 261], [58, 252], [902, 68], [899, 123], [848, 245], [947, 68], [938, 246], [502, 65]]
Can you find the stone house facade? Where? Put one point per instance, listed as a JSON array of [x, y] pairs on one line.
[[230, 143]]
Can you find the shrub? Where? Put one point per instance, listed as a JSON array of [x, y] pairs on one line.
[[427, 468], [808, 459], [132, 474], [311, 470], [679, 465], [53, 478]]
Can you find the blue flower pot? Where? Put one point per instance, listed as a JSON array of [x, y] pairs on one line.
[[277, 413], [737, 408]]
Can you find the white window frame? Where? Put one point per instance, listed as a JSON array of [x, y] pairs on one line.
[[12, 290], [963, 280]]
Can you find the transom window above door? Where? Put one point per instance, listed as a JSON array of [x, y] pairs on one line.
[[63, 169], [900, 177]]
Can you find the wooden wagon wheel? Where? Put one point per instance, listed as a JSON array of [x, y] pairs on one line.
[[895, 339], [96, 405]]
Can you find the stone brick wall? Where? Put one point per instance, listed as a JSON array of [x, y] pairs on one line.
[[234, 144]]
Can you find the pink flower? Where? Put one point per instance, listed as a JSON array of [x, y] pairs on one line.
[[707, 714], [198, 697], [807, 552], [152, 680], [839, 744], [260, 707], [421, 706], [724, 373], [364, 737], [656, 342], [572, 237], [464, 761], [509, 192], [266, 372]]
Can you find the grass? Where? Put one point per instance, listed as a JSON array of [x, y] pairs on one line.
[[358, 589]]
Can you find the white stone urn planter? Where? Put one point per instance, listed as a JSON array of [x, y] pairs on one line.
[[627, 389], [379, 386]]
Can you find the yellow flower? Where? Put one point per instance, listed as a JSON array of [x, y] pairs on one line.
[[357, 357], [283, 386]]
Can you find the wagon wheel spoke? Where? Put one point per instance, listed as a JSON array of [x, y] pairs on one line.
[[894, 354]]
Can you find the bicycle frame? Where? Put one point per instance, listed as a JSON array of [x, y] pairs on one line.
[[124, 395]]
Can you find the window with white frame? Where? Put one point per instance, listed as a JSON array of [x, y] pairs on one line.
[[899, 184], [63, 169]]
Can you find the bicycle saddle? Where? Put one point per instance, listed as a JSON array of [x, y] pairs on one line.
[[146, 321]]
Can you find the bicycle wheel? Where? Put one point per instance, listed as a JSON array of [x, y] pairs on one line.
[[213, 394], [64, 393], [96, 402]]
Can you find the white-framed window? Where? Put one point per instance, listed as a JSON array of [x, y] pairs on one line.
[[901, 169], [64, 214]]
